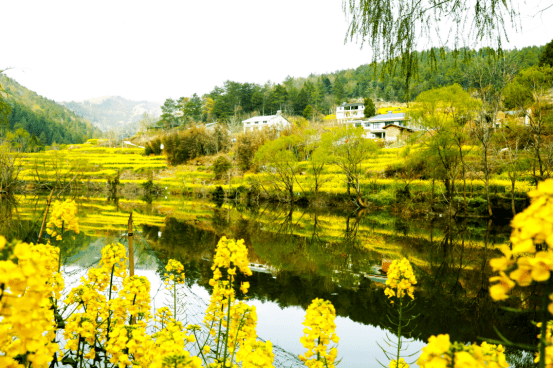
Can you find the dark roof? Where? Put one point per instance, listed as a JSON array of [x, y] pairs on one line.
[[351, 104]]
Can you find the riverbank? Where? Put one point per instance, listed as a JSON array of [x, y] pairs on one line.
[[127, 172]]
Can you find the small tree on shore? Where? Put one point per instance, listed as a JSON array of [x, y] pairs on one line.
[[280, 164], [348, 148]]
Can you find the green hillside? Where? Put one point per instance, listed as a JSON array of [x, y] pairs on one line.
[[35, 121], [234, 101]]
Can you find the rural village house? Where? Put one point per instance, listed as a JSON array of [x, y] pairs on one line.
[[261, 122]]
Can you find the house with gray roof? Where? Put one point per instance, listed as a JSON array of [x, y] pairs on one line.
[[388, 126], [260, 122]]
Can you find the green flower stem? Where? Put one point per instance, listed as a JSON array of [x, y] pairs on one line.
[[200, 349], [544, 315], [399, 331], [109, 315], [228, 322], [241, 324]]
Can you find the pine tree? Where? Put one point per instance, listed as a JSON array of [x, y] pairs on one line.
[[338, 88], [369, 110], [308, 112]]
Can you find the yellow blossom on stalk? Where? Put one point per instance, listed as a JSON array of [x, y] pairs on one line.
[[114, 258], [175, 272], [400, 364], [63, 215], [230, 321], [162, 317], [441, 353], [400, 279], [136, 296], [27, 326], [531, 227], [231, 254], [319, 331]]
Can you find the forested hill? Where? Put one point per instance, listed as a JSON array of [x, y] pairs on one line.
[[114, 112], [36, 121], [234, 100]]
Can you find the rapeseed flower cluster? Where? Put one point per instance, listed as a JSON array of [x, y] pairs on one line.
[[400, 279], [230, 255], [232, 323], [401, 363], [319, 331], [441, 353], [175, 272], [523, 264], [118, 325], [63, 217], [27, 284]]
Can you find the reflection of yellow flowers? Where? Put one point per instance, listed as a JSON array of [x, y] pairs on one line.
[[319, 331], [531, 227], [400, 279], [63, 215], [441, 353]]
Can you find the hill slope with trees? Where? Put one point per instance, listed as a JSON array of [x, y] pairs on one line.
[[34, 121], [436, 68]]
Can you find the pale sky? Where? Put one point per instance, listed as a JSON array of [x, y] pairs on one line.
[[77, 50]]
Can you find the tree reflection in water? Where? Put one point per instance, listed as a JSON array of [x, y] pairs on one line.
[[306, 253], [315, 256]]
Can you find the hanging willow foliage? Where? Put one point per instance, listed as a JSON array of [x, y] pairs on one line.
[[393, 28]]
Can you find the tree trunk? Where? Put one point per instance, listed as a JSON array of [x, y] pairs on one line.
[[360, 202], [433, 194], [291, 191], [513, 195], [487, 175]]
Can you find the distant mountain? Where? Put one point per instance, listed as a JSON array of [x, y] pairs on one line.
[[114, 112], [45, 120]]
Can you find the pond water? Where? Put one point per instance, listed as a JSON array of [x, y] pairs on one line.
[[298, 254]]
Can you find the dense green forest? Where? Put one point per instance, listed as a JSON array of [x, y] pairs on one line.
[[234, 100], [34, 121]]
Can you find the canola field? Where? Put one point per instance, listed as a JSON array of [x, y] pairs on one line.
[[88, 163]]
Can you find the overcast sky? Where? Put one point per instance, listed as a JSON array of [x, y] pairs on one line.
[[77, 50]]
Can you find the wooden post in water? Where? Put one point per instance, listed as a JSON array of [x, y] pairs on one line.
[[131, 254], [45, 215], [131, 251]]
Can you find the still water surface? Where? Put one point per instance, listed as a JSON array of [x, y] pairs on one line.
[[299, 254]]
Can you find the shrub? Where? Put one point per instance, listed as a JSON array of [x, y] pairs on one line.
[[221, 166], [153, 147], [248, 144], [383, 198]]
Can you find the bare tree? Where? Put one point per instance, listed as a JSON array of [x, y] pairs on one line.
[[487, 78]]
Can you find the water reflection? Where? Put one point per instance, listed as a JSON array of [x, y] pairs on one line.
[[300, 254]]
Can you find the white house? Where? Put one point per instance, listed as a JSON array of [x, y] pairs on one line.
[[350, 111], [261, 122], [387, 126]]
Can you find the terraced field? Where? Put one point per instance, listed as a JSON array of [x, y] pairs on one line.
[[101, 164]]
